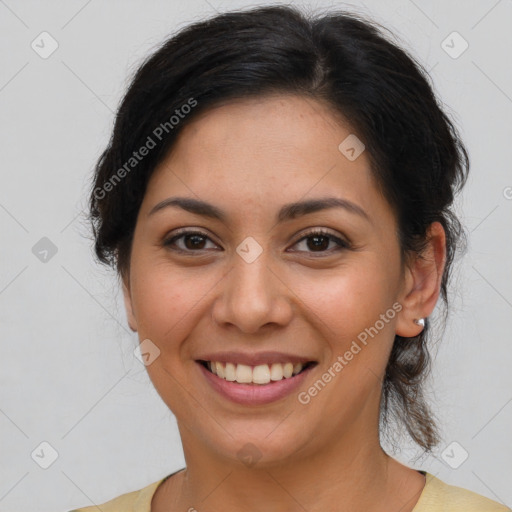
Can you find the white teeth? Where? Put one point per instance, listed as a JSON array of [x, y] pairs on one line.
[[243, 373], [230, 372], [220, 369], [288, 370], [276, 371], [261, 374]]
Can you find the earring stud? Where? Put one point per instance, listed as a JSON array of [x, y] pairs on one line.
[[420, 321]]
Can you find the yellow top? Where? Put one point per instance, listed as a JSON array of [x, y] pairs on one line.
[[436, 496]]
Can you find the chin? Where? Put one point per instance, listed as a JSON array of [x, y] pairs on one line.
[[262, 447]]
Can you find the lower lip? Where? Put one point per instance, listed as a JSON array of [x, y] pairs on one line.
[[254, 394]]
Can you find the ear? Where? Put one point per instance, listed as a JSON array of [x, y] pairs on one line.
[[132, 322], [422, 283]]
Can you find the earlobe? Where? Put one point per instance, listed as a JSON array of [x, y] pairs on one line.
[[132, 322], [422, 284]]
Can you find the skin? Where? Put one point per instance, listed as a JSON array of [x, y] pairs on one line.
[[249, 158]]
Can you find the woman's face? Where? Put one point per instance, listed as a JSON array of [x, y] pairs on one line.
[[257, 288]]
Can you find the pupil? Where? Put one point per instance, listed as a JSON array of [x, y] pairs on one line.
[[318, 244], [195, 243]]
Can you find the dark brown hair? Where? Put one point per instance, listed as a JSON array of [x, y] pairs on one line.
[[338, 58]]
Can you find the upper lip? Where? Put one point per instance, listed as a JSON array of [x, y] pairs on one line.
[[254, 359]]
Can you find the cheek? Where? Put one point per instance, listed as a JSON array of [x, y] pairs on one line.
[[348, 299], [167, 306], [164, 301], [346, 307], [349, 308]]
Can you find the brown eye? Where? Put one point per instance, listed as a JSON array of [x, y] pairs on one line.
[[191, 241], [316, 242], [319, 241]]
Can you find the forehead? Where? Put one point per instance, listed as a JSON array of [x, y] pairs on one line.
[[264, 151], [289, 128]]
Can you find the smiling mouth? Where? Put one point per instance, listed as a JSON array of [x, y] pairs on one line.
[[260, 374]]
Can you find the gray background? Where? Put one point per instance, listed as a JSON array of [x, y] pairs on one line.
[[68, 376]]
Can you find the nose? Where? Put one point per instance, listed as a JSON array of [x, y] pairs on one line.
[[253, 295]]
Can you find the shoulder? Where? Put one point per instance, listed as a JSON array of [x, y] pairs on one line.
[[136, 501], [439, 496]]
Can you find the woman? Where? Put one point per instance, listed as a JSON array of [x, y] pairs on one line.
[[276, 200]]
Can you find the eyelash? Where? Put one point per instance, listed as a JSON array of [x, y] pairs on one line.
[[342, 244]]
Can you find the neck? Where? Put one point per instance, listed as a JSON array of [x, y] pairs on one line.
[[347, 476]]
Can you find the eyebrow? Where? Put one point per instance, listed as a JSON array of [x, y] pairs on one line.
[[287, 212]]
